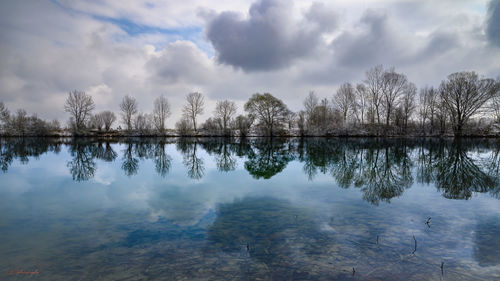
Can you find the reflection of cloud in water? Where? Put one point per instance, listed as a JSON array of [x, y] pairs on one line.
[[265, 227], [105, 175], [487, 242], [179, 204]]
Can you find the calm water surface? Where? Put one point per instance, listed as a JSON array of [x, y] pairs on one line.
[[215, 209]]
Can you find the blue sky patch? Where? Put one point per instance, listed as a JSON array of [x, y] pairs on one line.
[[134, 29]]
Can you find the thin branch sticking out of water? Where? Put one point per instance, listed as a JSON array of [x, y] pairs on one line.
[[415, 244]]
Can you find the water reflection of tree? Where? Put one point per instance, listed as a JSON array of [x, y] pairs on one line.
[[82, 165], [387, 174], [268, 157], [458, 176], [450, 166], [161, 159], [427, 153], [193, 163], [382, 172], [104, 151], [24, 148], [84, 152], [381, 169], [137, 149], [143, 148], [130, 164], [345, 164], [242, 148], [221, 148], [318, 155], [493, 162], [492, 166]]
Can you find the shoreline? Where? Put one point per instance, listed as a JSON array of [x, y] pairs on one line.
[[150, 136]]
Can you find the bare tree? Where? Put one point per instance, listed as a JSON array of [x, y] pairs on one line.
[[434, 102], [143, 123], [310, 104], [290, 119], [183, 126], [36, 127], [80, 106], [108, 118], [20, 122], [374, 83], [97, 122], [361, 101], [128, 106], [301, 122], [194, 107], [464, 94], [270, 111], [212, 125], [3, 110], [54, 125], [442, 116], [321, 117], [4, 117], [423, 107], [393, 86], [427, 107], [344, 99], [161, 112], [243, 124], [495, 104], [225, 110], [408, 104]]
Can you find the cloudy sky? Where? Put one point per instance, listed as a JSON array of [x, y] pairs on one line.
[[230, 49]]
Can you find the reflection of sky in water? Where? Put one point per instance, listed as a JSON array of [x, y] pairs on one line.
[[147, 224]]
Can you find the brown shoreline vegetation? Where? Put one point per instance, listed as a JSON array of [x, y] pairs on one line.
[[384, 104]]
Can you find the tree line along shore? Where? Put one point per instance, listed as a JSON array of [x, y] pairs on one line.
[[385, 103]]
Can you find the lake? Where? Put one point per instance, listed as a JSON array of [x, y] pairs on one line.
[[256, 209]]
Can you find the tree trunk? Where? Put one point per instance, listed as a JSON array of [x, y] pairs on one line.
[[432, 123], [388, 116], [459, 130]]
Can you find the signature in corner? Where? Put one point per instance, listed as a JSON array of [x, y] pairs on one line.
[[21, 271]]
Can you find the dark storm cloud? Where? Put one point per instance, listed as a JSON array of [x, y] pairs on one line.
[[371, 43], [324, 17], [493, 22], [439, 43], [180, 61], [269, 38], [378, 38]]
